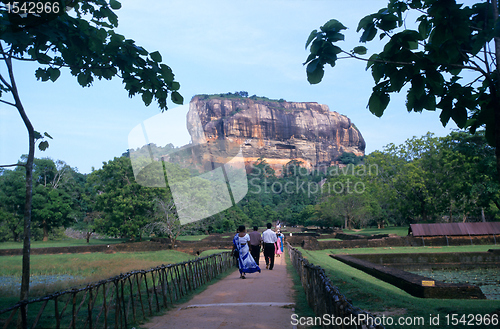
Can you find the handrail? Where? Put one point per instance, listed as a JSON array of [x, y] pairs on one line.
[[123, 299]]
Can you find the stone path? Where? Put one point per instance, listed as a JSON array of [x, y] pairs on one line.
[[261, 301]]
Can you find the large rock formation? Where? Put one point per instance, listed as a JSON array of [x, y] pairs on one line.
[[278, 131]]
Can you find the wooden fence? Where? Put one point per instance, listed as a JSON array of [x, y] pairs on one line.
[[325, 299], [118, 302]]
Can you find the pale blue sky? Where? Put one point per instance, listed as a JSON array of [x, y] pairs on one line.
[[212, 46]]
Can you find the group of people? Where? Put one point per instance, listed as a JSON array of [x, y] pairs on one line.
[[247, 247]]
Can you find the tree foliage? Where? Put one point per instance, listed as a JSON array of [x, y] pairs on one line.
[[125, 205], [448, 61], [79, 36]]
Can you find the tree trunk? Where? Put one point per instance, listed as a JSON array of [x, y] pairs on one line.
[[45, 232], [25, 279]]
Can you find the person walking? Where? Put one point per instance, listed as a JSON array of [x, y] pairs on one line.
[[246, 263], [269, 239], [255, 243], [278, 247]]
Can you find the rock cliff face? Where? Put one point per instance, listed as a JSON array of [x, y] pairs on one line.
[[278, 131]]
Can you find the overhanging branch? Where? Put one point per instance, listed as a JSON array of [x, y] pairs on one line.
[[13, 165]]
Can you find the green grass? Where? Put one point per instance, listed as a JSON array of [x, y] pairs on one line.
[[113, 264], [213, 251], [399, 230], [330, 239], [302, 308], [376, 296], [85, 268], [192, 237], [60, 243]]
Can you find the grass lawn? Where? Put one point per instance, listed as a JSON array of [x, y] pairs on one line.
[[379, 297], [60, 243], [192, 237], [83, 268], [399, 230], [330, 239]]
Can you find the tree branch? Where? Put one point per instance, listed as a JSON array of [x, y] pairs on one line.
[[8, 103], [13, 165], [473, 68]]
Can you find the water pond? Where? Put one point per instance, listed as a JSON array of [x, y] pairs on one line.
[[12, 284], [488, 279]]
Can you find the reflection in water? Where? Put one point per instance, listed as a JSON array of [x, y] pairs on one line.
[[488, 279], [12, 284]]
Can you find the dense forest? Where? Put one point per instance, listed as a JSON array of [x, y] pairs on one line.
[[424, 180]]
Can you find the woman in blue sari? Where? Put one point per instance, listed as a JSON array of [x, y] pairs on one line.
[[246, 263]]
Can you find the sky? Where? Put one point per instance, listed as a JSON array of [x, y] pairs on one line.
[[212, 46]]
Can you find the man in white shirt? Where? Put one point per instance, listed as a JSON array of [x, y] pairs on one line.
[[269, 238]]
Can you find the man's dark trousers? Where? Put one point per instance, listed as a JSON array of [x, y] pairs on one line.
[[269, 254], [255, 252]]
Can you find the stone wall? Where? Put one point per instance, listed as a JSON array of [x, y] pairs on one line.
[[434, 260], [408, 241], [413, 283]]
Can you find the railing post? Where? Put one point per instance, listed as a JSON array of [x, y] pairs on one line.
[[124, 312]]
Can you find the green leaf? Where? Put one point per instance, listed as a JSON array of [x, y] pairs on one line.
[[459, 115], [312, 35], [47, 135], [42, 74], [378, 71], [175, 86], [309, 58], [84, 79], [412, 45], [166, 73], [334, 36], [54, 74], [333, 25], [315, 71], [364, 22], [445, 116], [156, 56], [360, 50], [43, 145], [369, 33], [378, 102], [371, 61], [424, 28], [177, 98], [147, 97], [115, 5]]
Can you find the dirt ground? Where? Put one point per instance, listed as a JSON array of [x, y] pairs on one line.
[[261, 301]]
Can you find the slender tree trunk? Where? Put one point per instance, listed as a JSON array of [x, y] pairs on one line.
[[45, 232], [25, 280]]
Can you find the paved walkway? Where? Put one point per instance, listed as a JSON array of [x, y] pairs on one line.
[[261, 301]]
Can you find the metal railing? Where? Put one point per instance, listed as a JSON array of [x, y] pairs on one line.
[[118, 302], [326, 300]]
